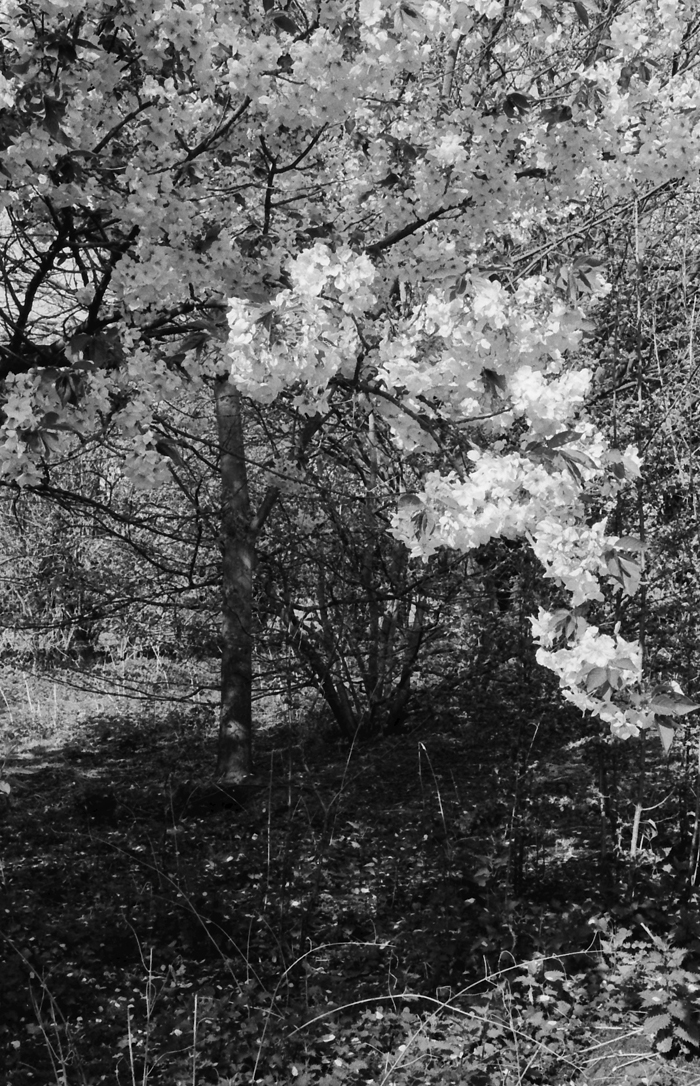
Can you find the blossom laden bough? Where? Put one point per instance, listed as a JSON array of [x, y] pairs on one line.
[[391, 204]]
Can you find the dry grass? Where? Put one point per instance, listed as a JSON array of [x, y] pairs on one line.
[[40, 709]]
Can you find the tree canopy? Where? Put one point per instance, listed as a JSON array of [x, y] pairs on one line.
[[389, 209]]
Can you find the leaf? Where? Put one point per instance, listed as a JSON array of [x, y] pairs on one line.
[[656, 1022], [582, 14], [630, 543], [531, 171], [412, 18], [76, 346], [588, 262], [53, 115], [5, 788], [613, 564], [689, 1031], [615, 678], [570, 463], [579, 458], [672, 704], [168, 448], [285, 22], [596, 677], [625, 664], [495, 383], [666, 735], [556, 115], [409, 503], [630, 575], [517, 104], [562, 438], [268, 5]]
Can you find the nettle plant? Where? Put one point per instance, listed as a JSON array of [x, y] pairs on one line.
[[387, 208]]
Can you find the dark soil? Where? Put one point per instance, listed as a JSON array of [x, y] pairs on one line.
[[156, 927]]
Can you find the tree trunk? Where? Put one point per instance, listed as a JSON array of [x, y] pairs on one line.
[[235, 756]]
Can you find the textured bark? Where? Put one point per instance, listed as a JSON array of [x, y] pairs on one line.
[[234, 760]]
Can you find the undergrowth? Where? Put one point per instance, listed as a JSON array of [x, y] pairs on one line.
[[348, 918]]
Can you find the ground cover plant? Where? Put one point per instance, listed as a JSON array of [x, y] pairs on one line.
[[347, 917]]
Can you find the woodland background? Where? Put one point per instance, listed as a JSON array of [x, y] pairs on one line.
[[437, 870]]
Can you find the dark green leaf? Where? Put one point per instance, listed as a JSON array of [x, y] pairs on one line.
[[580, 10], [556, 115], [517, 104], [168, 448], [495, 382], [562, 438], [285, 22]]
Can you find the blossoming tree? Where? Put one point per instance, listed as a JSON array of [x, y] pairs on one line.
[[390, 205]]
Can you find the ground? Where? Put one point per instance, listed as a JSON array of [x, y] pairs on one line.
[[389, 914]]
